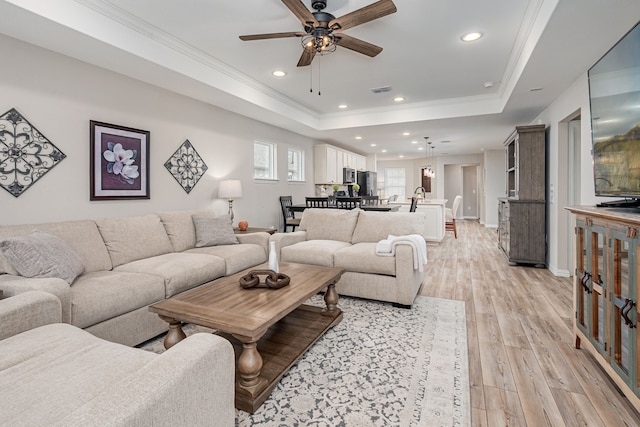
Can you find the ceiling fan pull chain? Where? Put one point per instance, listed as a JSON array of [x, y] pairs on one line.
[[319, 76], [310, 79]]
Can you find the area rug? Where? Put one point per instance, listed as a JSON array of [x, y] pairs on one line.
[[381, 366]]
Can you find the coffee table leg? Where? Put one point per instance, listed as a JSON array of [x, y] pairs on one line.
[[175, 333], [331, 297], [250, 366]]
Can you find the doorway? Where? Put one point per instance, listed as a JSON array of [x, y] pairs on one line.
[[463, 180]]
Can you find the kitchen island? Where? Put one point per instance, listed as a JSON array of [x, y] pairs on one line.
[[434, 210]]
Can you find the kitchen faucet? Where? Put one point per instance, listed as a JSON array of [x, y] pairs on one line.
[[420, 190]]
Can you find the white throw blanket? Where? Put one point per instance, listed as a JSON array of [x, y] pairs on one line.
[[387, 247]]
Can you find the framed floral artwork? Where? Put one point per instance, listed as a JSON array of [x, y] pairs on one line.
[[119, 162]]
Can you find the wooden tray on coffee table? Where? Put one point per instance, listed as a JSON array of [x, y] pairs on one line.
[[270, 329]]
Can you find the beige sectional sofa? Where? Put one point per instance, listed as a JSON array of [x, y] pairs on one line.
[[348, 239], [132, 262], [55, 374]]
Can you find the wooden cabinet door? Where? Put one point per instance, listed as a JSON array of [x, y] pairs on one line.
[[623, 301], [591, 285]]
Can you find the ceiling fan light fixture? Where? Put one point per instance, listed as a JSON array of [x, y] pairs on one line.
[[322, 44]]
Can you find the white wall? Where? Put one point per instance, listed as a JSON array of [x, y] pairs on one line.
[[494, 185], [59, 96], [575, 98]]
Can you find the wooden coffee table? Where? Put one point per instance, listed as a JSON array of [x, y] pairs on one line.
[[270, 329]]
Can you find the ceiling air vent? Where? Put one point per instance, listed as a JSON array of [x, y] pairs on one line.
[[381, 89]]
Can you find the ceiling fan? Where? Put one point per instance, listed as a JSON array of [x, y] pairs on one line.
[[323, 31]]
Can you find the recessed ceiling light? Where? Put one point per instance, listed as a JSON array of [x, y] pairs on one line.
[[401, 156], [342, 106], [279, 73], [384, 151], [358, 137], [414, 142], [420, 148], [374, 145], [406, 133], [487, 85], [471, 37], [398, 99]]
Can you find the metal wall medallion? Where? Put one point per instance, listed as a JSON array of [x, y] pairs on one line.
[[186, 166], [25, 154]]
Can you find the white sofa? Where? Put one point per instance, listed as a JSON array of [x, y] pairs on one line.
[[129, 263], [55, 374], [348, 239]]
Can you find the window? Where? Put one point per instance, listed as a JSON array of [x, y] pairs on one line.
[[295, 165], [394, 182], [264, 160]]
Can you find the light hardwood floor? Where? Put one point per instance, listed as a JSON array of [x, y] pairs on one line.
[[524, 369]]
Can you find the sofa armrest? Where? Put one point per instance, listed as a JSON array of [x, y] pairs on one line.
[[408, 279], [14, 285], [260, 238], [287, 239], [28, 310], [191, 384]]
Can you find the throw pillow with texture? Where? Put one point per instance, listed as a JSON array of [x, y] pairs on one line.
[[214, 231], [40, 254]]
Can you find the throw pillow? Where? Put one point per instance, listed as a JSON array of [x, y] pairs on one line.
[[40, 254], [214, 231]]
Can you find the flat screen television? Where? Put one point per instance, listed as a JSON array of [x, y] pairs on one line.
[[614, 95]]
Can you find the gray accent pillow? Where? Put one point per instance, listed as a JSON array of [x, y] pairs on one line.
[[214, 231], [40, 254]]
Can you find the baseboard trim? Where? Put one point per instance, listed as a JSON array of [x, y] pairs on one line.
[[560, 272]]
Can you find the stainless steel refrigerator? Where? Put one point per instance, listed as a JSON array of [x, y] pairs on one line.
[[368, 183]]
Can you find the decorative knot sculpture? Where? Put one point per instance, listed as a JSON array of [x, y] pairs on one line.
[[272, 279]]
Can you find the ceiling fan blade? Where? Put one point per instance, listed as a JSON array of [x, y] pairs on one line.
[[306, 57], [272, 36], [357, 45], [365, 14], [301, 12]]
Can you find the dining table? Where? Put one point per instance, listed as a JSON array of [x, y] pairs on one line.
[[375, 208]]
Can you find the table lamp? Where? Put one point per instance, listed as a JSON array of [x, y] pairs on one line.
[[230, 189]]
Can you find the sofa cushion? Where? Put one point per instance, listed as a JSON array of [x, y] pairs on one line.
[[214, 231], [329, 224], [82, 236], [362, 258], [316, 252], [180, 229], [180, 271], [132, 238], [56, 369], [102, 295], [40, 254], [236, 257], [376, 226]]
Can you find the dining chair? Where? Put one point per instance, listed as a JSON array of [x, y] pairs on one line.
[[450, 216], [289, 217], [317, 202], [348, 202], [414, 204], [370, 200]]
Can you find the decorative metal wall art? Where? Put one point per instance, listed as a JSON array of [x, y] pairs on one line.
[[186, 166], [119, 162], [25, 154]]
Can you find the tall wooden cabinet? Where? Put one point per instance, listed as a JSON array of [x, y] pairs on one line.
[[522, 213], [606, 292]]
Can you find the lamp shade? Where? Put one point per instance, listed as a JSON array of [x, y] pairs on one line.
[[230, 189]]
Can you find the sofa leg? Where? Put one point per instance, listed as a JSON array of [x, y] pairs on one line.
[[398, 305]]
